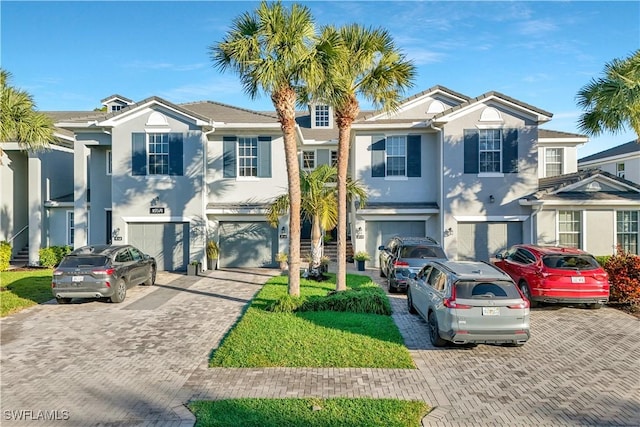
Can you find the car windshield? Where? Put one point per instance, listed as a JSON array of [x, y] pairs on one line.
[[421, 252], [570, 262], [486, 290], [72, 261]]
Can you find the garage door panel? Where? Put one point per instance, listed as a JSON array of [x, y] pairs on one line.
[[247, 244], [482, 240], [379, 232], [168, 243]]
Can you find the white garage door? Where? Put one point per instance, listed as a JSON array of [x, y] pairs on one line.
[[482, 240], [168, 243], [379, 232], [247, 244]]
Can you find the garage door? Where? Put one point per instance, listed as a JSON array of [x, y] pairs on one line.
[[247, 244], [168, 243], [482, 240], [379, 232]]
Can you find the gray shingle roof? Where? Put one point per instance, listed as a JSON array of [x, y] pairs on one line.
[[627, 148], [548, 133], [228, 113]]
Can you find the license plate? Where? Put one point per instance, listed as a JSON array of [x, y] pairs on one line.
[[491, 311], [577, 279], [77, 278]]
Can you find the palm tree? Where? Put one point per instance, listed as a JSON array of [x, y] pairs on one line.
[[273, 50], [19, 120], [319, 205], [612, 101], [365, 63]]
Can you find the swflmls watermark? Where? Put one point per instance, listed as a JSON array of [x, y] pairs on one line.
[[35, 415]]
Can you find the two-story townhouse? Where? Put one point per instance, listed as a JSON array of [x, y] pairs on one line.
[[478, 174], [622, 161]]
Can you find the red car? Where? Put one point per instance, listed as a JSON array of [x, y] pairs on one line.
[[556, 274]]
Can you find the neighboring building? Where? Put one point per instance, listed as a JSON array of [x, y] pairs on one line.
[[477, 174], [622, 161]]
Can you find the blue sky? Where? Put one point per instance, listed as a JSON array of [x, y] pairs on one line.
[[70, 55]]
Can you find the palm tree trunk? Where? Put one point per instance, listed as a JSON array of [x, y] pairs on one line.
[[284, 101], [316, 246]]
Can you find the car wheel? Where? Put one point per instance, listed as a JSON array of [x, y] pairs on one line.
[[390, 285], [382, 271], [152, 278], [595, 306], [410, 306], [63, 300], [434, 333], [120, 292], [524, 287]]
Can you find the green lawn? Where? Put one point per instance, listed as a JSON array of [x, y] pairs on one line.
[[311, 339], [23, 288], [313, 412]]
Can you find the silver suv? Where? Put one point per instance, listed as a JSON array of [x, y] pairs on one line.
[[469, 302], [402, 256]]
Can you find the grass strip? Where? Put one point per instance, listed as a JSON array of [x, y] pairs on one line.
[[20, 289]]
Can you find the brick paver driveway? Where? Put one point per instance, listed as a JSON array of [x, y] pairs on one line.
[[139, 362]]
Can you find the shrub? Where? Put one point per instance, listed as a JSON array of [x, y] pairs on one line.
[[624, 276], [285, 304], [361, 256], [367, 299], [52, 255], [5, 255], [602, 259]]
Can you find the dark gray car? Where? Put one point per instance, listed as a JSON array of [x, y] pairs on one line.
[[402, 256], [102, 271]]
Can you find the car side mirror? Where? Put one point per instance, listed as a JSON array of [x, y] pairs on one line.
[[499, 256], [413, 276], [381, 248]]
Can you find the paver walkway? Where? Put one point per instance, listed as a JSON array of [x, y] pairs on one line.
[[138, 363]]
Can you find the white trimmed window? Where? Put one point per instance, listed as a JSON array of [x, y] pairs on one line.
[[322, 118], [247, 156], [116, 107], [620, 170], [569, 228], [553, 161], [490, 150], [334, 158], [396, 156], [158, 154], [70, 228], [308, 159], [109, 162], [627, 230]]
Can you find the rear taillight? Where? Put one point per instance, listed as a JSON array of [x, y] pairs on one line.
[[452, 303], [105, 271], [57, 273], [400, 264], [523, 304]]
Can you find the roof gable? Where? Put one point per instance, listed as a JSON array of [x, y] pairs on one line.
[[631, 147]]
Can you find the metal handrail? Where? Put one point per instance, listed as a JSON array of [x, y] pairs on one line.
[[18, 233]]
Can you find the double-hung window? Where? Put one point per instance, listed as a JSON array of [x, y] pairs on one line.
[[490, 150], [569, 228], [70, 228], [396, 156], [159, 153], [553, 162], [308, 159], [246, 156], [322, 118], [620, 170], [627, 230]]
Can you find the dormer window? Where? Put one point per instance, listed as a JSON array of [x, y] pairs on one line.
[[116, 107], [322, 116]]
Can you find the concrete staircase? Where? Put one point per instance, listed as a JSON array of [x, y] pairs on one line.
[[21, 258]]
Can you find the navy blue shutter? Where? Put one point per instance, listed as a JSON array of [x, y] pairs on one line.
[[510, 151], [471, 151], [229, 156], [176, 158], [138, 154], [377, 157], [414, 161], [264, 157]]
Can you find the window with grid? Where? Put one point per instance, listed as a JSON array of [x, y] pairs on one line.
[[70, 228], [553, 162], [627, 230], [396, 156], [109, 162], [334, 158], [308, 159], [569, 228], [620, 170], [490, 150], [158, 154], [247, 156], [322, 116]]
